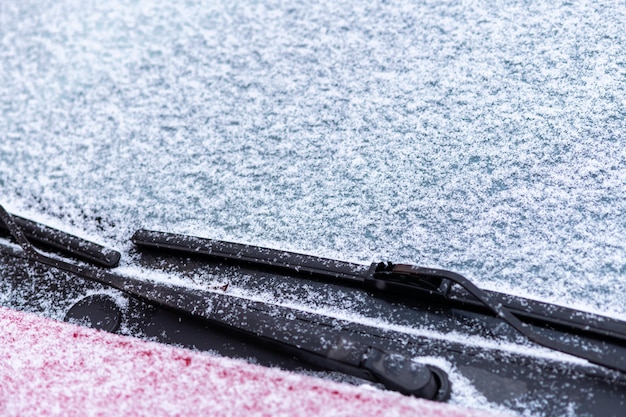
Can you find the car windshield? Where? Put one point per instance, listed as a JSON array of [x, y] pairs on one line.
[[480, 139]]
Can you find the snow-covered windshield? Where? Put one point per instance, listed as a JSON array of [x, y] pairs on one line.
[[478, 137]]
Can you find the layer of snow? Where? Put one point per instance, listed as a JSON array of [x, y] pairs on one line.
[[479, 137]]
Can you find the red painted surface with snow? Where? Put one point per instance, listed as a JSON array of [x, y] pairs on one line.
[[52, 368]]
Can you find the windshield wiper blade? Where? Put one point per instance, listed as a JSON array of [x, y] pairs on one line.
[[328, 346], [425, 285], [57, 240], [241, 253]]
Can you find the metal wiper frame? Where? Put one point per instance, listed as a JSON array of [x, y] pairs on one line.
[[426, 285], [339, 349]]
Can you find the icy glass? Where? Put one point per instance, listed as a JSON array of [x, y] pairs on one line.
[[483, 139]]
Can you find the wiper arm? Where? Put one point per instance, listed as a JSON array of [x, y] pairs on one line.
[[327, 346], [427, 285], [65, 243]]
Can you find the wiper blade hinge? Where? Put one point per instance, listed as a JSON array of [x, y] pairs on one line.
[[599, 354]]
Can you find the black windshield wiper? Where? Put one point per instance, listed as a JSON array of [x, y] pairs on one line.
[[427, 315], [325, 345], [585, 335], [50, 238]]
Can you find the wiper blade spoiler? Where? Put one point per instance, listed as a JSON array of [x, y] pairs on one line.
[[423, 285], [63, 242], [240, 253]]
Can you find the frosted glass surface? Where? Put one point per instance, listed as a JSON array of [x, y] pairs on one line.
[[484, 139]]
